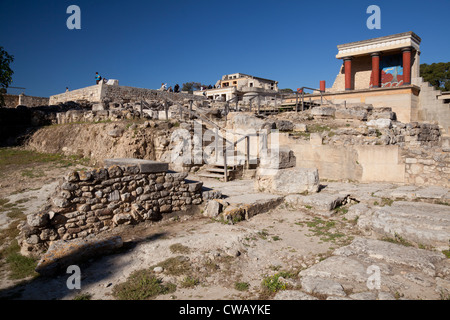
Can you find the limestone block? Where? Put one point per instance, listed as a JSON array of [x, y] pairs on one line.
[[145, 166], [38, 220], [213, 209], [351, 113], [284, 125], [98, 107], [380, 123], [323, 111], [288, 181], [423, 223], [293, 295], [112, 82], [322, 286], [299, 127], [323, 203], [122, 218], [422, 260], [278, 159]]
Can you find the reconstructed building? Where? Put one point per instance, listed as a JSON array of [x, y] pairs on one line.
[[242, 86], [385, 72]]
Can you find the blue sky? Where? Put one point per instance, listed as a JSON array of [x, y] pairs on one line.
[[144, 43]]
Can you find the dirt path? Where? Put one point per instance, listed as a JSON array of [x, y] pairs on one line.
[[221, 255], [207, 259]]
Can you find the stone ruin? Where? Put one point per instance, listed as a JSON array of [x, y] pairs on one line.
[[126, 191]]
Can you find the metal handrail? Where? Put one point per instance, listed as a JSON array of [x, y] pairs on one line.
[[224, 139]]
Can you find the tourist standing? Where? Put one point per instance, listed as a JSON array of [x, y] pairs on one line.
[[97, 78]]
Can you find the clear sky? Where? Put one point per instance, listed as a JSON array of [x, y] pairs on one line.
[[144, 43]]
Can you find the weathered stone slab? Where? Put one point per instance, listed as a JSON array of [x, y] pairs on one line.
[[423, 223], [287, 181], [145, 166], [63, 253], [278, 159], [351, 113], [382, 251], [255, 203], [323, 111], [338, 268], [299, 127], [431, 192], [353, 269], [293, 295], [213, 209], [284, 125], [357, 210], [318, 285], [324, 202], [380, 123]]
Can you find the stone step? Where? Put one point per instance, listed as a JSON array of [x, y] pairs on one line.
[[221, 170], [211, 175], [242, 206]]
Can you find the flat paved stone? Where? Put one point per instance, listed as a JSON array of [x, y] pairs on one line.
[[379, 251], [322, 202], [145, 166], [423, 223]]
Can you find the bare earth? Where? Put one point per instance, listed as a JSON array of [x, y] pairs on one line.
[[220, 255]]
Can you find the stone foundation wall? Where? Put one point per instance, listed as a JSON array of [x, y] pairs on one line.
[[12, 101], [129, 94], [127, 191], [427, 168], [91, 93]]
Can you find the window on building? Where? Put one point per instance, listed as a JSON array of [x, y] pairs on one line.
[[234, 82]]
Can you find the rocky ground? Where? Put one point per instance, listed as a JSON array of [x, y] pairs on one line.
[[349, 241]]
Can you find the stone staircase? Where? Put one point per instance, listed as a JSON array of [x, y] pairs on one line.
[[216, 170]]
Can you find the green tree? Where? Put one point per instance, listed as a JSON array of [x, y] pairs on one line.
[[287, 90], [192, 86], [437, 74], [5, 72]]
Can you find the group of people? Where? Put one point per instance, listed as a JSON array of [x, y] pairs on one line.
[[164, 87]]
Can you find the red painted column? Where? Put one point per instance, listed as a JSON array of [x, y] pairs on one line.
[[376, 70], [406, 65], [348, 73], [322, 85]]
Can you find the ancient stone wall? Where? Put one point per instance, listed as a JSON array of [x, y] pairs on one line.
[[427, 168], [129, 94], [30, 101], [12, 101], [91, 93], [122, 94], [126, 191]]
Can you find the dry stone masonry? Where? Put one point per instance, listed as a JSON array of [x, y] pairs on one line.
[[126, 191]]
